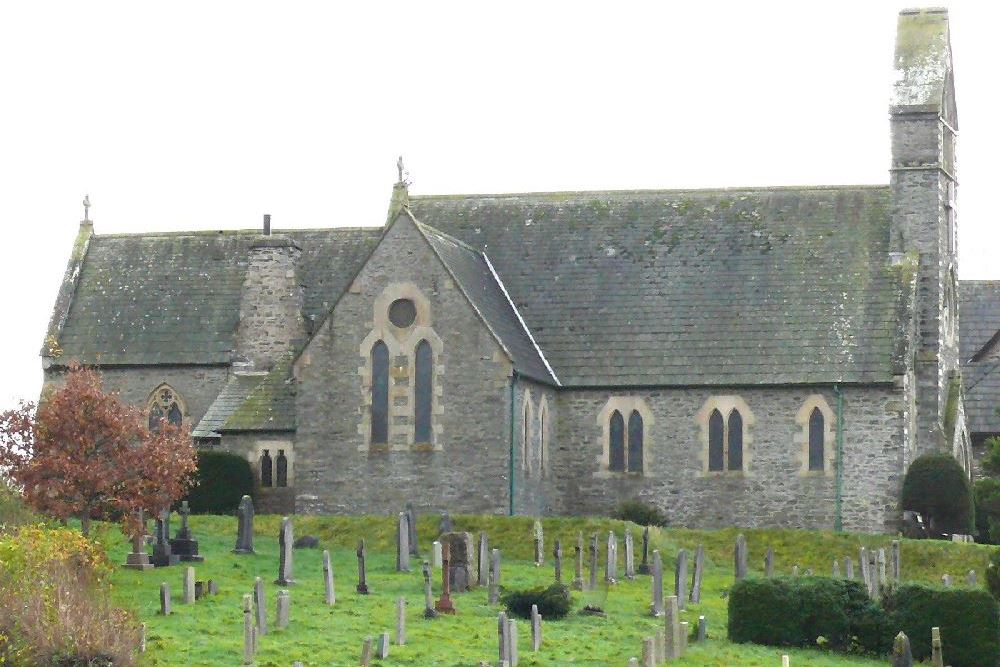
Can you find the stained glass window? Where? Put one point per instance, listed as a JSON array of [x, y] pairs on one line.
[[635, 442], [380, 394], [616, 442], [716, 434], [735, 440], [423, 391]]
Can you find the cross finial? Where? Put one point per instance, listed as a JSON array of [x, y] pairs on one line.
[[399, 168], [86, 208]]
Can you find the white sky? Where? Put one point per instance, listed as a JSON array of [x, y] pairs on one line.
[[203, 115]]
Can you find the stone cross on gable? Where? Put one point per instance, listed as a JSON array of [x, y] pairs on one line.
[[86, 208], [399, 168]]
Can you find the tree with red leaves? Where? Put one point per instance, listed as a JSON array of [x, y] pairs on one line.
[[83, 453]]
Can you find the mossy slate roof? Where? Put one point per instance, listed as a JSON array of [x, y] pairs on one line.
[[979, 331]]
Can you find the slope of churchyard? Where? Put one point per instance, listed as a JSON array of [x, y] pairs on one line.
[[211, 630]]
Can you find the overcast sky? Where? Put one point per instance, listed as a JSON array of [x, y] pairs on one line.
[[205, 115]]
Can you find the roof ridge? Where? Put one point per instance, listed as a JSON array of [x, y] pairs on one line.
[[650, 191], [459, 242], [236, 232]]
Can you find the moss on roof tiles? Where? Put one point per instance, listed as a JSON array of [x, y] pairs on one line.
[[270, 406]]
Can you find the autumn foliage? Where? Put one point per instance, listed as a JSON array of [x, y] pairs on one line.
[[84, 453]]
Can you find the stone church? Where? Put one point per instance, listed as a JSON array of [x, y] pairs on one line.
[[767, 356]]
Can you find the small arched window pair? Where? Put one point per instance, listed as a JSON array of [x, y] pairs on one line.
[[423, 393], [725, 441], [269, 470], [625, 448]]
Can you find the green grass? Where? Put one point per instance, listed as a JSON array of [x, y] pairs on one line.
[[210, 632]]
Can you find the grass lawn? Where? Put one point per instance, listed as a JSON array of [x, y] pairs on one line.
[[210, 632]]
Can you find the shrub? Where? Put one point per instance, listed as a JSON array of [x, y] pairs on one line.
[[641, 513], [993, 574], [987, 496], [13, 511], [938, 488], [553, 601], [221, 481], [991, 461], [969, 622]]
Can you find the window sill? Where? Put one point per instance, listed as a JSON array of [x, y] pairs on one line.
[[614, 474]]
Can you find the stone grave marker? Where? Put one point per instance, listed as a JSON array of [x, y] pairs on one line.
[[330, 596], [503, 640], [494, 576], [902, 656], [483, 559], [428, 592], [285, 540], [684, 634], [946, 580], [247, 631], [401, 622], [411, 522], [629, 555], [740, 557], [593, 562], [260, 604], [937, 658], [436, 554], [648, 652], [699, 572], [836, 569], [244, 527], [657, 605], [769, 563], [970, 579], [873, 577], [460, 568], [403, 543], [578, 563], [383, 646], [139, 559], [660, 645], [557, 561], [680, 578], [189, 585], [142, 638], [702, 628], [184, 545], [672, 626], [881, 567], [539, 544], [895, 562], [444, 604], [200, 589], [633, 662], [512, 637], [644, 564], [863, 565], [284, 609], [536, 628], [848, 568], [213, 587], [785, 661], [362, 571], [444, 525], [611, 560], [164, 599], [366, 653], [795, 570], [162, 555]]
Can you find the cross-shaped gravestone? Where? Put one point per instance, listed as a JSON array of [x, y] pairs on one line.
[[162, 554], [557, 561], [428, 592], [139, 559], [578, 563], [444, 604], [184, 544]]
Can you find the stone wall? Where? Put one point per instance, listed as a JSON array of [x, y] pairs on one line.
[[532, 474]]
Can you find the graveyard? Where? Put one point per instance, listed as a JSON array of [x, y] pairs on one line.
[[304, 628]]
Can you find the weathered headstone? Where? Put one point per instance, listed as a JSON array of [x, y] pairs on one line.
[[895, 562], [680, 578], [836, 569], [200, 589], [362, 570], [629, 555], [403, 543], [462, 567], [428, 592], [366, 653], [611, 562], [444, 604], [383, 646], [436, 554], [444, 525], [494, 576], [769, 562], [247, 631], [702, 628], [189, 585], [902, 656], [411, 522], [970, 579], [164, 599], [685, 630], [785, 661], [848, 568], [644, 564], [946, 580], [483, 559], [401, 622], [937, 658], [795, 570], [162, 555], [699, 572], [512, 637], [649, 652], [285, 551], [139, 559], [213, 587], [284, 609], [536, 628], [330, 596], [740, 557], [578, 563], [503, 638], [881, 567], [539, 544], [632, 662], [142, 638], [863, 566], [260, 604], [244, 527], [657, 579], [184, 545], [672, 625], [660, 645], [593, 562]]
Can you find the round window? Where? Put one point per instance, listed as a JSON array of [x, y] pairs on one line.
[[402, 312]]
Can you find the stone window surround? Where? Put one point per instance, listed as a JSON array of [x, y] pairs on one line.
[[178, 398], [527, 416], [625, 405], [802, 436], [543, 436], [257, 451], [400, 342], [725, 404]]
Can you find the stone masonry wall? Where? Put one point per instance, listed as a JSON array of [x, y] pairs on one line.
[[532, 490]]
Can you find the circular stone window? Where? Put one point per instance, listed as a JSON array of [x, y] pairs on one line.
[[402, 312]]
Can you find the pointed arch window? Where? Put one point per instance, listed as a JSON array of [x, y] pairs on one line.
[[616, 442], [423, 392], [165, 404], [635, 436], [543, 439], [526, 433], [281, 469], [817, 433], [735, 441], [380, 394], [716, 438], [266, 469]]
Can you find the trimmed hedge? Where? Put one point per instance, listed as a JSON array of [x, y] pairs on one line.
[[936, 486], [641, 513], [220, 483], [837, 614], [553, 601]]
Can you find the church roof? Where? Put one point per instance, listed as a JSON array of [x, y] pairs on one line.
[[979, 338], [695, 287]]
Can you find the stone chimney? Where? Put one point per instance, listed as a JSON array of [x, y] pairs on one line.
[[271, 321], [400, 194]]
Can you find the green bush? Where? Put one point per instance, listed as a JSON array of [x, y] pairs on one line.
[[993, 574], [641, 513], [991, 462], [987, 496], [969, 622], [221, 481], [553, 601], [938, 488]]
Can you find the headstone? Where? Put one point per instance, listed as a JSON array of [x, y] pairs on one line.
[[428, 592], [512, 637], [769, 563], [436, 555], [444, 526], [184, 545], [836, 569], [785, 661], [483, 559], [139, 559], [660, 645], [863, 565], [633, 662], [684, 633], [649, 652], [578, 563], [881, 567], [142, 638], [461, 570], [403, 543], [329, 593], [200, 590], [946, 580], [901, 654], [702, 628], [629, 555], [611, 562], [362, 571], [680, 578], [848, 568], [189, 585], [247, 631], [970, 579], [401, 622], [503, 638], [162, 555], [444, 604], [383, 646], [937, 659], [260, 603], [557, 561], [895, 562], [536, 628], [873, 574], [366, 653], [657, 605], [213, 587], [164, 599], [644, 564], [494, 576], [672, 625], [284, 604], [256, 639], [699, 572], [795, 570], [285, 541], [539, 544], [740, 557], [593, 562], [809, 572], [411, 522], [244, 527]]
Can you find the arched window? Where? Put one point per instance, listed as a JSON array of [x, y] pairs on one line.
[[543, 439], [735, 440], [817, 459], [282, 469], [616, 442], [266, 469], [635, 442], [380, 394], [716, 436], [165, 403], [526, 433], [423, 393]]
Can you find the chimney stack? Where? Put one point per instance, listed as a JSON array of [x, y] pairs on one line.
[[267, 224]]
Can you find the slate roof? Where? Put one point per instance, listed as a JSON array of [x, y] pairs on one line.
[[979, 324], [236, 390], [270, 406], [694, 287]]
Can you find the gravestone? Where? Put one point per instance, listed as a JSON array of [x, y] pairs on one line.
[[200, 590], [139, 559], [494, 576], [285, 540], [411, 522], [881, 567], [503, 639], [362, 588], [444, 525], [702, 628], [946, 580], [848, 568], [403, 543], [633, 662], [578, 563], [611, 562], [699, 572], [557, 561], [648, 652], [164, 599], [401, 622], [330, 595], [902, 656], [536, 628], [672, 625], [769, 563], [247, 632], [539, 544], [593, 562], [189, 585], [644, 564], [460, 569], [184, 545], [895, 562], [483, 559], [685, 630], [863, 566], [657, 582], [680, 578], [260, 604], [284, 609], [244, 527], [660, 645], [428, 592], [213, 587], [444, 604], [162, 555], [629, 555], [366, 653], [142, 638], [740, 557], [937, 658], [873, 575], [383, 646], [970, 579], [512, 638], [795, 570], [436, 554]]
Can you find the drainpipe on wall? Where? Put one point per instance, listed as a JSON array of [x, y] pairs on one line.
[[838, 521], [513, 384]]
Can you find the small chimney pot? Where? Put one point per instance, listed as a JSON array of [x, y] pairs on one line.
[[267, 224]]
